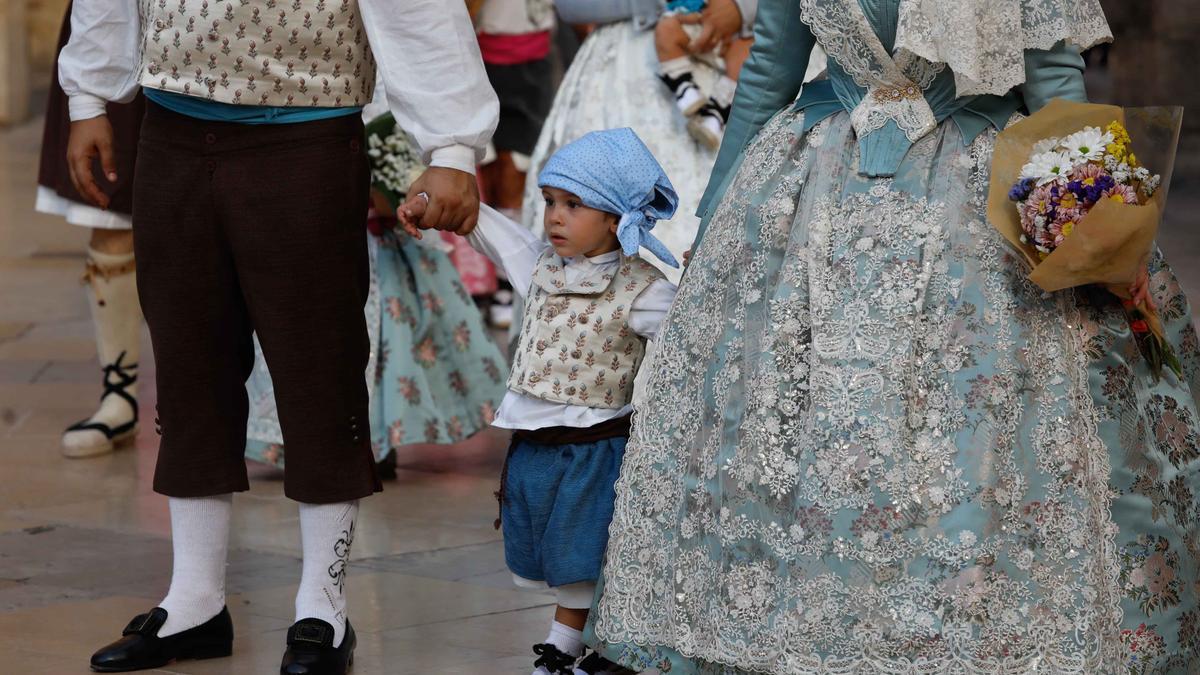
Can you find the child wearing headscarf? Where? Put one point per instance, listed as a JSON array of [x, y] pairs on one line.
[[591, 305]]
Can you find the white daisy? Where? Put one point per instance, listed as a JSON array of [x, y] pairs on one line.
[[1046, 145], [1087, 145], [1047, 167]]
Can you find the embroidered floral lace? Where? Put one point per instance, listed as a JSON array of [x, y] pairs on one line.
[[867, 443]]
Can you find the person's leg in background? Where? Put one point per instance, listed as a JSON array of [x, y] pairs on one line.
[[109, 268], [111, 281], [520, 70]]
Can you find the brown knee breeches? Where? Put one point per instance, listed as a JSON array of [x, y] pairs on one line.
[[242, 228]]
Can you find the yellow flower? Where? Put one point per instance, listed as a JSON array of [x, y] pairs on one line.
[[1067, 229], [1132, 160], [1119, 132], [1067, 201]]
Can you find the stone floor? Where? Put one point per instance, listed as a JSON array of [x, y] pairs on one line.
[[84, 547]]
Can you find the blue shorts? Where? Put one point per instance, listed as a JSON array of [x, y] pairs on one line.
[[558, 503]]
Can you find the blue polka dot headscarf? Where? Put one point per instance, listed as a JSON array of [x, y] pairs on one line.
[[615, 172]]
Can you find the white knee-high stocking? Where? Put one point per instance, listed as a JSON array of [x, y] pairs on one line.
[[200, 539], [326, 533]]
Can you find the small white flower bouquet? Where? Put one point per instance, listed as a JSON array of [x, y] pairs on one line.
[[394, 158]]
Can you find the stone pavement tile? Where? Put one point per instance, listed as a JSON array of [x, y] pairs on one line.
[[75, 562], [375, 535], [10, 330], [21, 372], [451, 499], [477, 564], [387, 601], [35, 292], [80, 328], [10, 419], [501, 578], [71, 630], [511, 633], [47, 395], [87, 492], [481, 455], [47, 424], [84, 559], [21, 596], [43, 348], [71, 371]]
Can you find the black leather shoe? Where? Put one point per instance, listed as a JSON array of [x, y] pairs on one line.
[[311, 652], [140, 648]]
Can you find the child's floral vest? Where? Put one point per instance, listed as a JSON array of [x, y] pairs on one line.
[[576, 345], [258, 52]]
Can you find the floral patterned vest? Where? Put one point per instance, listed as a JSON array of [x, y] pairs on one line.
[[576, 345], [258, 52]]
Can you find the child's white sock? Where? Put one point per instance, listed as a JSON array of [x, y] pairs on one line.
[[568, 641], [326, 533], [200, 540], [677, 67], [677, 75]]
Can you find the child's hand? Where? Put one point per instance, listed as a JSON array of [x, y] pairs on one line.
[[720, 20], [687, 257], [410, 213]]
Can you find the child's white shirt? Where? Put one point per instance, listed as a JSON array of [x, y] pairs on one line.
[[517, 251]]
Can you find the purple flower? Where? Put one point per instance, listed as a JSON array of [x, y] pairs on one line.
[[1021, 190]]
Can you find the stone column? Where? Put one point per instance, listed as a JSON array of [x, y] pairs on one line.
[[15, 78]]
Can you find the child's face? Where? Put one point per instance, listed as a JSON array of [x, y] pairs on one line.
[[575, 229]]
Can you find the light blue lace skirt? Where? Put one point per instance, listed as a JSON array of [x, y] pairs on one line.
[[869, 444]]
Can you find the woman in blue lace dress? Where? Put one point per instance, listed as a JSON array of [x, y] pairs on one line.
[[868, 443]]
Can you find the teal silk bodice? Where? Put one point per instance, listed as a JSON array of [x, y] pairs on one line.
[[773, 75]]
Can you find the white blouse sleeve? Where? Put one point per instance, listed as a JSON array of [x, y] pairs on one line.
[[651, 307], [100, 61], [433, 74], [509, 246]]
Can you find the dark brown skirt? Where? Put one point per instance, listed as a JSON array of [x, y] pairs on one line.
[[126, 119]]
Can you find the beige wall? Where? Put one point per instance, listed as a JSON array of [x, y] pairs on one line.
[[28, 36], [44, 18]]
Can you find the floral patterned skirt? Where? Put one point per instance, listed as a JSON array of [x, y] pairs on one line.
[[868, 444], [435, 375]]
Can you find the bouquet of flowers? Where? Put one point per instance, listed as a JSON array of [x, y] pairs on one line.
[[1070, 194], [1064, 180], [394, 159]]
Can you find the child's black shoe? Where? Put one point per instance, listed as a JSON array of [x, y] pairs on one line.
[[552, 661]]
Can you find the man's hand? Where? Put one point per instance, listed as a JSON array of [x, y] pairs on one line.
[[441, 199], [720, 21], [89, 139]]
